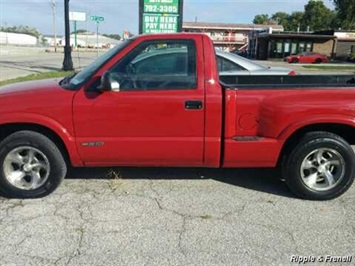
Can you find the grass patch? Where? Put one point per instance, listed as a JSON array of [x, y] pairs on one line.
[[44, 75], [116, 179], [112, 174], [80, 230], [206, 217], [320, 67]]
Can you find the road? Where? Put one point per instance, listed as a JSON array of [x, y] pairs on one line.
[[167, 216], [22, 61]]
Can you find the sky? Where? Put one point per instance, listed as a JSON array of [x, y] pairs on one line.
[[120, 15]]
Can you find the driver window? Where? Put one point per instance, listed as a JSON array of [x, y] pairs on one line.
[[157, 65]]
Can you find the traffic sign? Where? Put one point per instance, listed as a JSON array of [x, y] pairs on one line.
[[96, 18]]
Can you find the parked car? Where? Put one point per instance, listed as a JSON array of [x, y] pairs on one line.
[[307, 57], [242, 53], [129, 109], [233, 64]]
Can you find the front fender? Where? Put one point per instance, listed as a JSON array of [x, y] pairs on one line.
[[65, 133]]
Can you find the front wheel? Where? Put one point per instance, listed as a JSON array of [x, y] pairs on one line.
[[31, 165], [320, 167]]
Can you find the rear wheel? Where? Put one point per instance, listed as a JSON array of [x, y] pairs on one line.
[[318, 61], [294, 60], [320, 167], [31, 165]]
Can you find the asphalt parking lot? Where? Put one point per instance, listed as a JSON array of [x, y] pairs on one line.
[[23, 61], [147, 216], [168, 216]]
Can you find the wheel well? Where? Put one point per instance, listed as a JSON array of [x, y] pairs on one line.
[[8, 129], [344, 131]]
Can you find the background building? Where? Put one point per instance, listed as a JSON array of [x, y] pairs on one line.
[[334, 44], [263, 45], [17, 39], [88, 40], [229, 36], [345, 40]]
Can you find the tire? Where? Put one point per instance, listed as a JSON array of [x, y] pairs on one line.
[[295, 60], [31, 165], [318, 61], [320, 167]]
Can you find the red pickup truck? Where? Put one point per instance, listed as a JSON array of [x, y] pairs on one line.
[[158, 100]]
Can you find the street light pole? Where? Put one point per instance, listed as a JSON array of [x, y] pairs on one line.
[[67, 63]]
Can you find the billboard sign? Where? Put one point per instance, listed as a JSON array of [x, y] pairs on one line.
[[77, 16], [160, 23], [160, 16], [167, 6]]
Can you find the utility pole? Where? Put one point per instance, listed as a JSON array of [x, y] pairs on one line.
[[97, 39], [87, 15], [54, 9], [67, 63]]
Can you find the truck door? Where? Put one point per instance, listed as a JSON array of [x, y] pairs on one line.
[[157, 115]]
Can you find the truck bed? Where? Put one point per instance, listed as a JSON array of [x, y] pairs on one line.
[[298, 81]]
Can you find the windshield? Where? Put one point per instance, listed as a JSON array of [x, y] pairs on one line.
[[83, 75]]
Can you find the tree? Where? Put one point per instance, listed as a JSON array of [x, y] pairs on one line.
[[296, 21], [79, 31], [261, 19], [290, 22], [345, 13], [113, 36], [44, 40], [22, 29], [317, 16], [281, 18]]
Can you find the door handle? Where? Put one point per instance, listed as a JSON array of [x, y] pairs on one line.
[[193, 105]]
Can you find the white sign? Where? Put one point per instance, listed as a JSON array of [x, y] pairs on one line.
[[77, 16]]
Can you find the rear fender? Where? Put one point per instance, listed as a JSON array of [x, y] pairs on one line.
[[324, 119]]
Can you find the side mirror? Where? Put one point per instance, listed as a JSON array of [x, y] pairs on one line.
[[108, 83]]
